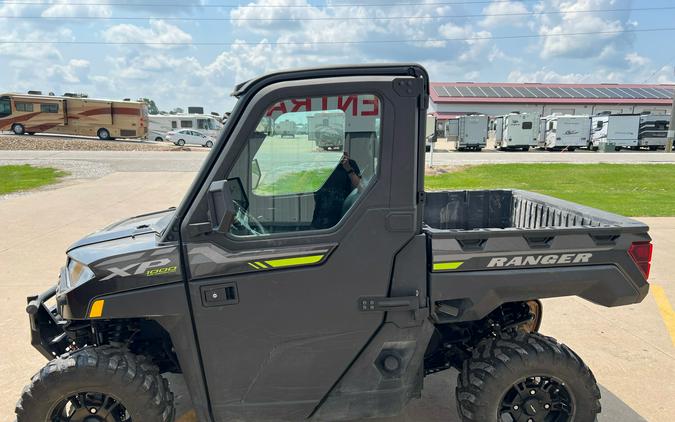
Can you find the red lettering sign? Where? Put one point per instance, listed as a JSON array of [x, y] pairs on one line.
[[376, 107]]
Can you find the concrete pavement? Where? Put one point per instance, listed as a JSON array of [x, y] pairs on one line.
[[181, 161], [628, 348]]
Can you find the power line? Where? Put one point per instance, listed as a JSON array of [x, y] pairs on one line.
[[658, 69], [336, 18], [238, 6], [429, 40]]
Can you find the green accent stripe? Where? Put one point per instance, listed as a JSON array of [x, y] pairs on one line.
[[253, 265], [441, 266], [260, 264], [291, 262]]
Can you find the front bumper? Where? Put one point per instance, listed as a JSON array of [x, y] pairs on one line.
[[46, 326]]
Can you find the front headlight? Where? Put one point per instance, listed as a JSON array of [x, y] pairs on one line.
[[78, 273]]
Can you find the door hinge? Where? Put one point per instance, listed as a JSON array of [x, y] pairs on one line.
[[388, 304]]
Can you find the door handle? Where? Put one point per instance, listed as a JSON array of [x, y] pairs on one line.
[[219, 294]]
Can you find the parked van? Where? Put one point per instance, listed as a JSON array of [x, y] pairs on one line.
[[653, 131], [473, 132], [518, 131], [160, 124], [566, 132], [618, 129], [107, 119]]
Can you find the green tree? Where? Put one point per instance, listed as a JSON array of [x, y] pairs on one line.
[[152, 107]]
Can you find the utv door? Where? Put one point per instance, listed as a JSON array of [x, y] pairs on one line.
[[275, 296]]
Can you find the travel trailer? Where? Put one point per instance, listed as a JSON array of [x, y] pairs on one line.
[[518, 131], [565, 132], [618, 129], [107, 119], [473, 132], [160, 124], [431, 134], [653, 131]]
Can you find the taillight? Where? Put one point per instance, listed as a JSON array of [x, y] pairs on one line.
[[641, 252]]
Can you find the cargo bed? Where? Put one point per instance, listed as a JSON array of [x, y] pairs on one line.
[[499, 210], [517, 245]]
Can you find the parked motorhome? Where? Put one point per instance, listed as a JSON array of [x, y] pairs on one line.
[[473, 132], [565, 132], [518, 131], [621, 130], [160, 124], [107, 119], [653, 131]]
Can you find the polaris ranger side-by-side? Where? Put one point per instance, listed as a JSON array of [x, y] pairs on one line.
[[293, 283]]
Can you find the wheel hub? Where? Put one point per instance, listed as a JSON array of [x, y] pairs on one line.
[[531, 407], [90, 407], [537, 399]]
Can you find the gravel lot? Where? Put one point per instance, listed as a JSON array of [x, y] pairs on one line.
[[65, 143]]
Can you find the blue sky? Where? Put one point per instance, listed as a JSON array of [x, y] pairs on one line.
[[257, 39]]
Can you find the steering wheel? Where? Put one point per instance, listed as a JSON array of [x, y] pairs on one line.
[[244, 223]]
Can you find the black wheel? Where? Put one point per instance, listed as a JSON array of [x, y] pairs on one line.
[[158, 139], [209, 144], [180, 142], [526, 377], [97, 384], [103, 134], [525, 149], [18, 129]]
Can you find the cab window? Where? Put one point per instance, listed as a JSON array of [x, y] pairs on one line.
[[527, 125], [5, 107], [307, 163]]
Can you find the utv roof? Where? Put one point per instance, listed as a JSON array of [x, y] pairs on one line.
[[403, 69]]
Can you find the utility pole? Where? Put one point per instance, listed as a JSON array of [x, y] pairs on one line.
[[671, 127]]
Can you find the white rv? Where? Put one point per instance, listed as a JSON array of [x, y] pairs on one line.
[[327, 129], [618, 129], [653, 131], [566, 132], [473, 132], [430, 134], [160, 124], [518, 131]]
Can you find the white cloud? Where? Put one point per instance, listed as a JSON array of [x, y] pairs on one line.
[[159, 32], [599, 46], [638, 69], [65, 9], [503, 9], [74, 72]]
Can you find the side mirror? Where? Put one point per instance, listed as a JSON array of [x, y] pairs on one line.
[[222, 211], [256, 174]]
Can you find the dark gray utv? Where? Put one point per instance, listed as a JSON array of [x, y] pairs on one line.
[[294, 283]]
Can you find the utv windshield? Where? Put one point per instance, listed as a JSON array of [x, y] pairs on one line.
[[5, 107]]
